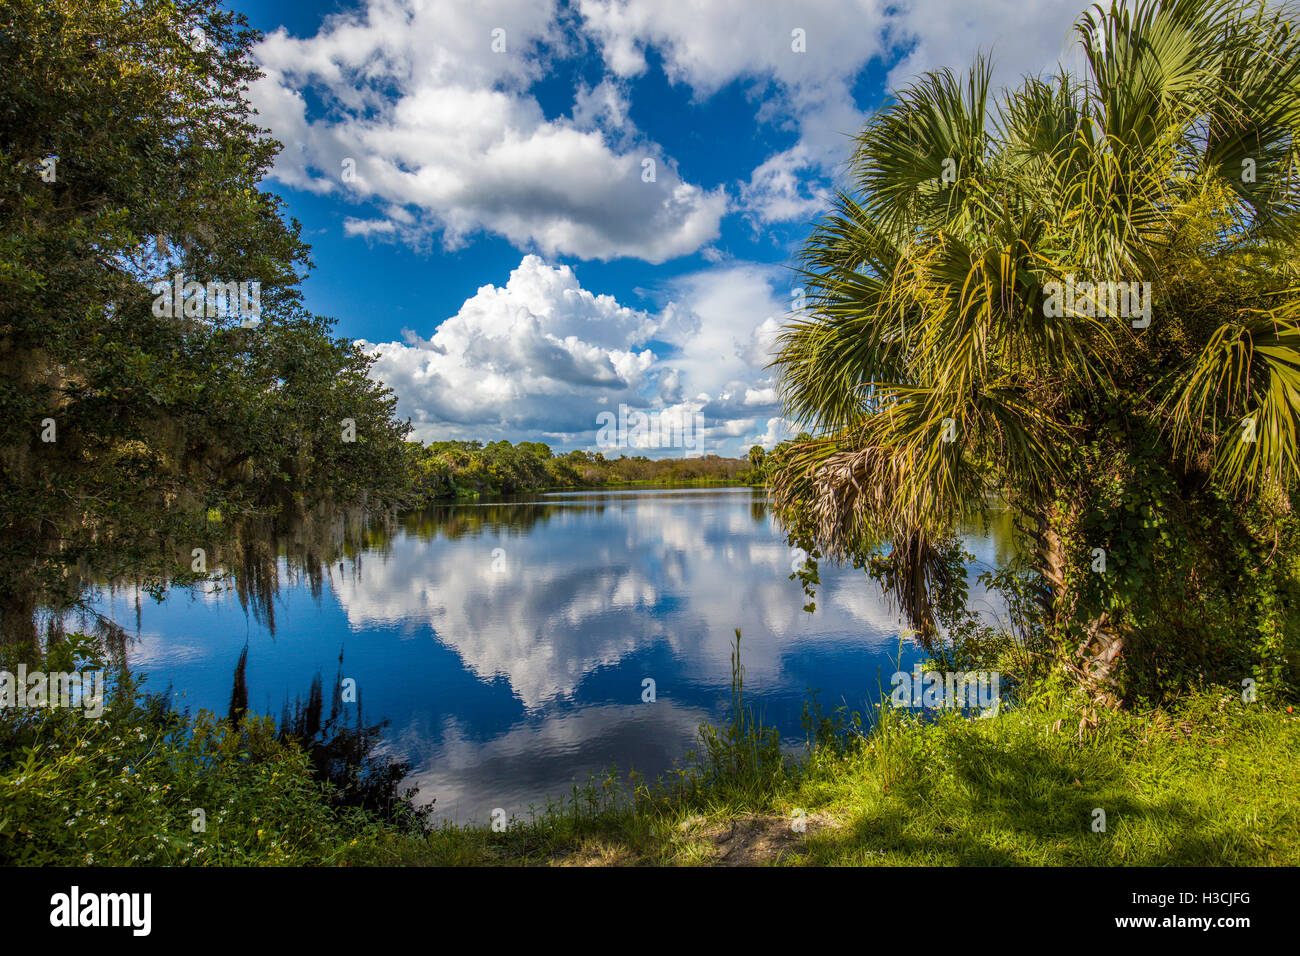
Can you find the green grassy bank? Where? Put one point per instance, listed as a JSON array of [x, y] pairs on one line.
[[1210, 782]]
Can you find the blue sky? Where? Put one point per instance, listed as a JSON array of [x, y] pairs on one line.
[[538, 211]]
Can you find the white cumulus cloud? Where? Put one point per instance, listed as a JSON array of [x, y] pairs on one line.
[[422, 111], [542, 357]]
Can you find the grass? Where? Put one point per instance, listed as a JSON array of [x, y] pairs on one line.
[[1207, 784]]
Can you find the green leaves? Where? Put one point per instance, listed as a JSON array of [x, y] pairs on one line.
[[159, 418], [923, 156], [1238, 402]]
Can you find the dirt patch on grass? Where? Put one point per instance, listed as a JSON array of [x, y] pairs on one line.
[[755, 839], [597, 854]]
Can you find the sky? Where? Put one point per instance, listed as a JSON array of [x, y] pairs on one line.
[[537, 212]]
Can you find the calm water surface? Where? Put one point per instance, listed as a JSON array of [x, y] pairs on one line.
[[507, 643]]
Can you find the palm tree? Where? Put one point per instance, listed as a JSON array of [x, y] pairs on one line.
[[956, 348]]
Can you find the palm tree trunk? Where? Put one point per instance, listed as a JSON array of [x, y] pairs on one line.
[[1100, 649]]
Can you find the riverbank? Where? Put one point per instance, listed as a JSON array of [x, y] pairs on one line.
[[1208, 782]]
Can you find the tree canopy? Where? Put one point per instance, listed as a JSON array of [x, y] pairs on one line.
[[165, 390]]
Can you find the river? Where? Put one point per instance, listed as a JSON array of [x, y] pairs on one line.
[[509, 644]]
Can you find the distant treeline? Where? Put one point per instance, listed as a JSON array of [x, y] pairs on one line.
[[456, 469]]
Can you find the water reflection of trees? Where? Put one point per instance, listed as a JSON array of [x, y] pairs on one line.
[[342, 751], [254, 559], [453, 521], [259, 558], [457, 521], [263, 557]]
